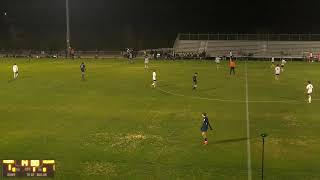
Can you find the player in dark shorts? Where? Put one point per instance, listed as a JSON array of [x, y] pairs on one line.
[[204, 128], [83, 71], [232, 65], [195, 81]]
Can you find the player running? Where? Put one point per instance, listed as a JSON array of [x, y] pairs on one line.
[[309, 89], [154, 78], [146, 62], [204, 127], [277, 71], [195, 81], [15, 70], [83, 70], [232, 65]]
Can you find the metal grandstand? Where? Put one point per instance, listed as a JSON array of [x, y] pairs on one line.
[[249, 45]]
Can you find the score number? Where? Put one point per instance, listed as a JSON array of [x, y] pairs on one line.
[[28, 168]]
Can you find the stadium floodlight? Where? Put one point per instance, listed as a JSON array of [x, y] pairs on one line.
[[5, 13], [67, 27]]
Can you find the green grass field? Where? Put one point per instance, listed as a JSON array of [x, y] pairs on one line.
[[115, 126]]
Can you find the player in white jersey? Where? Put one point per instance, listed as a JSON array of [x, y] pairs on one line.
[[311, 57], [15, 70], [272, 62], [283, 62], [154, 78], [146, 62], [277, 71], [217, 62], [309, 89]]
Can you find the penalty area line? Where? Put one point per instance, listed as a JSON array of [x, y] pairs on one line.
[[230, 100]]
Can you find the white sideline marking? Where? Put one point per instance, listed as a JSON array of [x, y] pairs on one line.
[[248, 127]]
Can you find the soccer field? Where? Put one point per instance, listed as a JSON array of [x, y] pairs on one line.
[[115, 126]]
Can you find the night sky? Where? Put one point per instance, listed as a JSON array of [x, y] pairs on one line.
[[115, 24]]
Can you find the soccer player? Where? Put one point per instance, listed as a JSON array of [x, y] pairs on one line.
[[131, 57], [272, 62], [15, 70], [146, 62], [218, 62], [232, 65], [311, 57], [83, 70], [277, 72], [195, 81], [72, 53], [154, 78], [204, 127], [309, 89], [283, 62], [230, 55]]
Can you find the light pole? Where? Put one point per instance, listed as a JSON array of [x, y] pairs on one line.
[[68, 28], [263, 135]]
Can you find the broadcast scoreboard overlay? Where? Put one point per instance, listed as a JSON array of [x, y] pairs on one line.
[[28, 168]]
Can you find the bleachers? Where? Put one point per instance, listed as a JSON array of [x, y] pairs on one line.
[[253, 48]]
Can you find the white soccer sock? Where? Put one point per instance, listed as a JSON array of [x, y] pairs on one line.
[[309, 99]]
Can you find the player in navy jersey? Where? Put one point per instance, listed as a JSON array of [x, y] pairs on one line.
[[195, 81], [83, 70], [204, 127]]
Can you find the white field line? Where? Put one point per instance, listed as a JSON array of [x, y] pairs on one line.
[[232, 101], [248, 127], [247, 112]]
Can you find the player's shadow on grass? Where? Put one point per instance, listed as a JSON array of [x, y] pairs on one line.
[[24, 77], [230, 140], [290, 98], [208, 89], [11, 80]]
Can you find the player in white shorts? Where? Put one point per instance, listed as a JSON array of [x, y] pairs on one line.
[[283, 62], [217, 62], [146, 62], [154, 78], [15, 70], [277, 71], [309, 89]]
